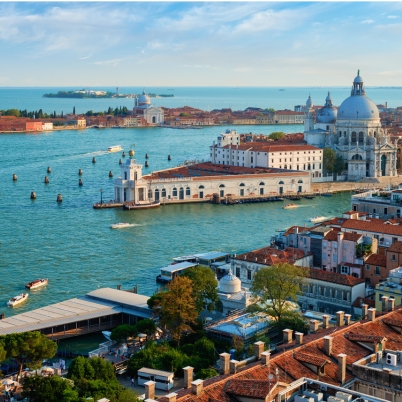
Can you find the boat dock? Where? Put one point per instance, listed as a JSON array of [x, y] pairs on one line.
[[99, 310], [105, 205]]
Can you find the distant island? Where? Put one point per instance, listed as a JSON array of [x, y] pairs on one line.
[[90, 94]]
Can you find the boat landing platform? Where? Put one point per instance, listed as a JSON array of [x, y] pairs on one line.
[[104, 205]]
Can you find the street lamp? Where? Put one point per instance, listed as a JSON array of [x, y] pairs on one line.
[[101, 195]]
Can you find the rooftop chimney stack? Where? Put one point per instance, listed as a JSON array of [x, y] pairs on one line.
[[328, 345], [314, 324], [188, 376], [197, 387], [371, 314], [233, 366], [340, 318], [299, 338], [258, 349], [265, 356], [224, 363], [364, 311], [391, 304], [150, 390], [171, 397], [342, 367], [384, 300], [347, 319], [287, 335], [325, 321]]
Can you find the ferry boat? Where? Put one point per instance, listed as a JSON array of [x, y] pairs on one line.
[[318, 219], [141, 205], [120, 225], [37, 283], [15, 301], [171, 271], [115, 148], [290, 206]]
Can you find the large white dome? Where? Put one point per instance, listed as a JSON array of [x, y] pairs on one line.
[[358, 107], [230, 283], [144, 99]]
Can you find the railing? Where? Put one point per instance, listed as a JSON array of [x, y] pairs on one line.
[[103, 348]]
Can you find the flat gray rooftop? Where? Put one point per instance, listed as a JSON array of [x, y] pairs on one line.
[[95, 304]]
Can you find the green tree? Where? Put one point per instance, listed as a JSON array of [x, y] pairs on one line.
[[276, 285], [276, 135], [12, 112], [123, 332], [74, 110], [328, 160], [3, 353], [90, 369], [270, 109], [291, 320], [155, 301], [146, 326], [339, 165], [207, 373], [205, 287], [29, 348], [49, 389], [178, 307]]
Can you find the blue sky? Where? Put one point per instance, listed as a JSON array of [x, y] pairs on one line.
[[200, 44]]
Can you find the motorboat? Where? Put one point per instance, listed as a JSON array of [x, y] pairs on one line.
[[107, 335], [15, 301], [37, 283], [318, 219], [290, 206], [115, 148], [120, 225], [327, 194], [141, 205]]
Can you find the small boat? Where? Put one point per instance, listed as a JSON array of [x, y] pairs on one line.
[[309, 197], [279, 199], [37, 283], [290, 206], [115, 148], [120, 225], [107, 334], [327, 194], [318, 219], [15, 301], [131, 205]]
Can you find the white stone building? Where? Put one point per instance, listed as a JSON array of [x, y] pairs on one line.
[[198, 183], [143, 107], [354, 131], [229, 151], [47, 126]]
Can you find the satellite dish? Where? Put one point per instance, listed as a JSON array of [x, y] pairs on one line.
[[270, 377]]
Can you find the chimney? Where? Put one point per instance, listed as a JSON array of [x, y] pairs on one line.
[[371, 314], [325, 321], [342, 367], [197, 387], [224, 362], [287, 335], [314, 325], [233, 366], [328, 345], [364, 311], [384, 300], [265, 356], [150, 390], [340, 320], [188, 376], [258, 349], [299, 338], [391, 304], [171, 397], [347, 319]]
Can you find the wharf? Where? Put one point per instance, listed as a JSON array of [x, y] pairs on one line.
[[105, 205]]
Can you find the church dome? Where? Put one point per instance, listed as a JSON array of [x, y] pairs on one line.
[[309, 102], [328, 113], [144, 99], [230, 283], [358, 106]]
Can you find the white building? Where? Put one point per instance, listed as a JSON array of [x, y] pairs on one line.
[[47, 126], [197, 183], [143, 107], [354, 131], [229, 151]]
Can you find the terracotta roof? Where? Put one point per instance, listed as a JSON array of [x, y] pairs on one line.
[[352, 236], [360, 300], [270, 255], [312, 359], [393, 322], [334, 277], [268, 146], [291, 230], [373, 225], [332, 235], [396, 247], [377, 259], [365, 338], [258, 389]]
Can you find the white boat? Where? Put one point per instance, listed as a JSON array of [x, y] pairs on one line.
[[318, 219], [37, 283], [115, 148], [290, 206], [107, 334], [15, 301], [120, 225]]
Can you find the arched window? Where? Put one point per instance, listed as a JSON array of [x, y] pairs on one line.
[[201, 186], [242, 185], [300, 181], [157, 194], [286, 166], [353, 136], [357, 157], [340, 133], [262, 183], [344, 133], [125, 175], [309, 167], [163, 192], [297, 167], [153, 119], [188, 191], [174, 192], [150, 194], [281, 182], [221, 185], [361, 136]]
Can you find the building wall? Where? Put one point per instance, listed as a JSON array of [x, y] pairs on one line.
[[33, 125], [47, 126]]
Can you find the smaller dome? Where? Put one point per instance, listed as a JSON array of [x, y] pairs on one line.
[[230, 283], [309, 102], [144, 99], [358, 79]]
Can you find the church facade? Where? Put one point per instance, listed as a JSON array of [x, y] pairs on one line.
[[153, 115], [354, 131]]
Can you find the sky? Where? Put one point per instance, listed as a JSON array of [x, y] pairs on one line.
[[200, 43]]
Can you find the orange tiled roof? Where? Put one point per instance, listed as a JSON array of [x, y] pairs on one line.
[[334, 277], [396, 247], [270, 255], [373, 225], [258, 389], [365, 338], [352, 236], [377, 259], [312, 359]]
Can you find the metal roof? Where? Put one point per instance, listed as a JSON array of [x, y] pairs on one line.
[[212, 255], [155, 372], [99, 303], [179, 266]]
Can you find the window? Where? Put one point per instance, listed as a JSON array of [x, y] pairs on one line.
[[385, 211], [344, 270], [393, 257], [188, 191], [334, 258], [174, 192], [377, 270], [164, 192], [324, 243], [367, 267], [249, 275], [380, 297], [238, 272], [394, 239], [344, 258], [324, 256]]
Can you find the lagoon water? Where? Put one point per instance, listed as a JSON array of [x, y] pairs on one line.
[[72, 244]]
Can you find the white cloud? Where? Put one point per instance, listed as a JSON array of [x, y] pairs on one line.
[[113, 62], [367, 22], [85, 57], [392, 16]]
